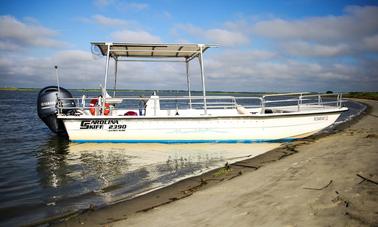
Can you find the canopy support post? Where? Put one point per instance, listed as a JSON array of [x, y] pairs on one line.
[[203, 78], [115, 75], [106, 77], [188, 83]]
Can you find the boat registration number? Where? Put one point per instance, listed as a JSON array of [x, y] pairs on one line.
[[117, 127], [321, 118]]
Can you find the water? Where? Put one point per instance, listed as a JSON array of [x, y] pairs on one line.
[[42, 175]]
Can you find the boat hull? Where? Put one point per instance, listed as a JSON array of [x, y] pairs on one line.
[[197, 129]]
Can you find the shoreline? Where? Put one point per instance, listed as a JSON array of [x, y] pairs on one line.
[[139, 206]]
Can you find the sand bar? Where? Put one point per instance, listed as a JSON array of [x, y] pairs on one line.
[[327, 181]]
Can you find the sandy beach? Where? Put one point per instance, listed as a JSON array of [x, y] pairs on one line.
[[321, 181]]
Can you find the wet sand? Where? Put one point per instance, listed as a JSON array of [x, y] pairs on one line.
[[321, 181]]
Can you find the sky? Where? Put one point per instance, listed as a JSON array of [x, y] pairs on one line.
[[264, 46]]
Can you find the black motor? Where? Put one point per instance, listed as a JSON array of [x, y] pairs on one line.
[[47, 107]]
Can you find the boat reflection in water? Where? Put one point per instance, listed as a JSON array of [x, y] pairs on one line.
[[77, 176]]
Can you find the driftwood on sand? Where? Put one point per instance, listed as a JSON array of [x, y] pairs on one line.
[[366, 179], [330, 182]]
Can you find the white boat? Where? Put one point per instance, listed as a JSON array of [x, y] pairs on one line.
[[185, 119]]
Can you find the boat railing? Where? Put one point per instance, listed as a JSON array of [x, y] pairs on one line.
[[302, 100], [297, 101], [163, 102]]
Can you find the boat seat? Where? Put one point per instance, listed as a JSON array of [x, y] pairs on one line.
[[153, 107], [268, 111], [242, 110], [131, 113]]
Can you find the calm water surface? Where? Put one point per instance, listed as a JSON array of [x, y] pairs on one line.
[[42, 175]]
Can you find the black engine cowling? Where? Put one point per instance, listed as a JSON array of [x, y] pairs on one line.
[[47, 107]]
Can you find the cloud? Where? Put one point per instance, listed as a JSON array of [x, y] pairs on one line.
[[102, 3], [354, 32], [102, 20], [237, 70], [134, 36], [76, 68], [225, 37], [336, 53], [219, 36], [301, 48], [357, 22], [166, 14], [269, 71], [107, 21], [371, 43], [135, 6], [120, 5], [16, 34]]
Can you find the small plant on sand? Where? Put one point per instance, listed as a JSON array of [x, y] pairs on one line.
[[223, 171]]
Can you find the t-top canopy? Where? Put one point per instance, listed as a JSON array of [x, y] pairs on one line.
[[187, 51]]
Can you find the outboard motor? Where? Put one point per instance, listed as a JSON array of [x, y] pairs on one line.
[[47, 107]]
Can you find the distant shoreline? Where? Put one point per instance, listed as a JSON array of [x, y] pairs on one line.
[[131, 90], [362, 95], [357, 95]]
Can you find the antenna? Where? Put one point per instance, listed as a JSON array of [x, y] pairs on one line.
[[57, 79]]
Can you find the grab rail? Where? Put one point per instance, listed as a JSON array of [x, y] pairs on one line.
[[298, 100]]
